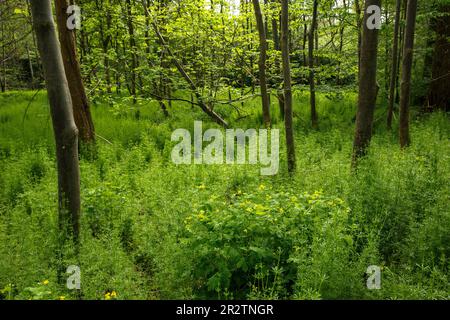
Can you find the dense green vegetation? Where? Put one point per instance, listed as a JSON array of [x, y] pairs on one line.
[[153, 230], [98, 98]]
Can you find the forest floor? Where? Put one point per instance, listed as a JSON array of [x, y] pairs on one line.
[[154, 230]]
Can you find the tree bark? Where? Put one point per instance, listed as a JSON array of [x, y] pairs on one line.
[[394, 68], [276, 41], [3, 76], [367, 87], [358, 27], [262, 63], [439, 93], [405, 92], [80, 103], [287, 85], [312, 84], [400, 51], [65, 130]]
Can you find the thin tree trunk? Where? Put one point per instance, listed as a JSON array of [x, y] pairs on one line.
[[262, 63], [287, 85], [30, 67], [394, 67], [316, 42], [400, 51], [305, 39], [80, 103], [358, 27], [367, 87], [65, 130], [405, 93], [386, 50], [266, 23], [312, 85], [276, 41], [106, 44], [249, 28], [117, 74], [134, 59], [3, 77], [341, 46]]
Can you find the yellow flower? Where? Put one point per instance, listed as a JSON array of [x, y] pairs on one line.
[[62, 298], [108, 296], [262, 187], [45, 282], [260, 210], [201, 216], [316, 194], [113, 294]]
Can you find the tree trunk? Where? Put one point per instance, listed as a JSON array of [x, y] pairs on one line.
[[394, 67], [400, 51], [107, 42], [30, 67], [405, 93], [305, 39], [81, 111], [386, 50], [358, 27], [341, 45], [312, 85], [262, 63], [3, 76], [65, 130], [439, 93], [134, 59], [287, 85], [276, 41], [367, 87]]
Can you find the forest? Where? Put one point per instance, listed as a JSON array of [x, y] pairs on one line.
[[224, 150]]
